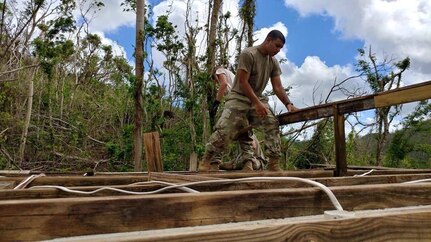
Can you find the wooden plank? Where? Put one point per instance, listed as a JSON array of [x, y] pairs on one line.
[[416, 92], [43, 193], [35, 219], [397, 224], [298, 173], [353, 167], [376, 179], [312, 173], [310, 113], [153, 153], [51, 192], [14, 172], [179, 178], [7, 184], [78, 180], [193, 166], [356, 104], [405, 95]]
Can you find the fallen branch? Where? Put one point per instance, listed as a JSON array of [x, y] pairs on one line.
[[18, 69]]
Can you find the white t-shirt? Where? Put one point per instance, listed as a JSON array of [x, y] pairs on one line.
[[229, 77]]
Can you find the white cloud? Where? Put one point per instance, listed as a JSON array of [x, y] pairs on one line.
[[311, 82], [116, 48], [109, 18], [398, 27]]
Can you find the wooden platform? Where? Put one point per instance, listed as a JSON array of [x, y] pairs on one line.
[[220, 206]]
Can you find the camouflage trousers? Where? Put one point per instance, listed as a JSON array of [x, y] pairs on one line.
[[244, 141], [237, 118]]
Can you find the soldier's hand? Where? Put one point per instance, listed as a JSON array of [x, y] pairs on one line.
[[291, 108], [213, 111], [214, 107], [261, 109]]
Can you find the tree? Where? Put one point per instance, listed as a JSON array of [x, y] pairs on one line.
[[319, 148], [211, 61], [422, 111], [139, 77], [211, 46], [382, 76], [247, 14]]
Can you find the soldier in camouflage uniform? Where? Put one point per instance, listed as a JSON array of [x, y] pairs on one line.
[[246, 106], [224, 78]]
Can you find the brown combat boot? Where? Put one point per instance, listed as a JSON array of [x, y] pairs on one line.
[[227, 166], [273, 165], [205, 166]]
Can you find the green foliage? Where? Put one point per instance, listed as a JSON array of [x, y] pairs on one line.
[[398, 149], [290, 154], [129, 5], [381, 76], [411, 146], [50, 53], [350, 146], [422, 111], [319, 149], [53, 46], [154, 107], [122, 149], [167, 38], [176, 148]]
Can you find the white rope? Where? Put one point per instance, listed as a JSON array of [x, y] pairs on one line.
[[27, 181], [366, 173], [65, 189], [418, 181], [325, 189]]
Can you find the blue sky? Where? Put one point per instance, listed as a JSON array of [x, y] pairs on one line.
[[322, 38], [309, 36]]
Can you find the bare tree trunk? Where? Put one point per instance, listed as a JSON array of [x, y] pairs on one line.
[[211, 48], [27, 119], [383, 132], [379, 140], [190, 64], [225, 38], [250, 12], [62, 97], [139, 72], [247, 14], [2, 21]]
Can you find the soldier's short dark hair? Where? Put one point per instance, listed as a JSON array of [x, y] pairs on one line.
[[276, 34]]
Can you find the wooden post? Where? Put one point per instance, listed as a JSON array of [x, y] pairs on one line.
[[153, 153], [193, 162], [340, 143]]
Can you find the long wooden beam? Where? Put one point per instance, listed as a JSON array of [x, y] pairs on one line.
[[397, 224], [77, 180], [36, 219], [313, 173], [179, 178], [412, 93]]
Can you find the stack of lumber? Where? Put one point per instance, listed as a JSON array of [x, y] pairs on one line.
[[218, 206]]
